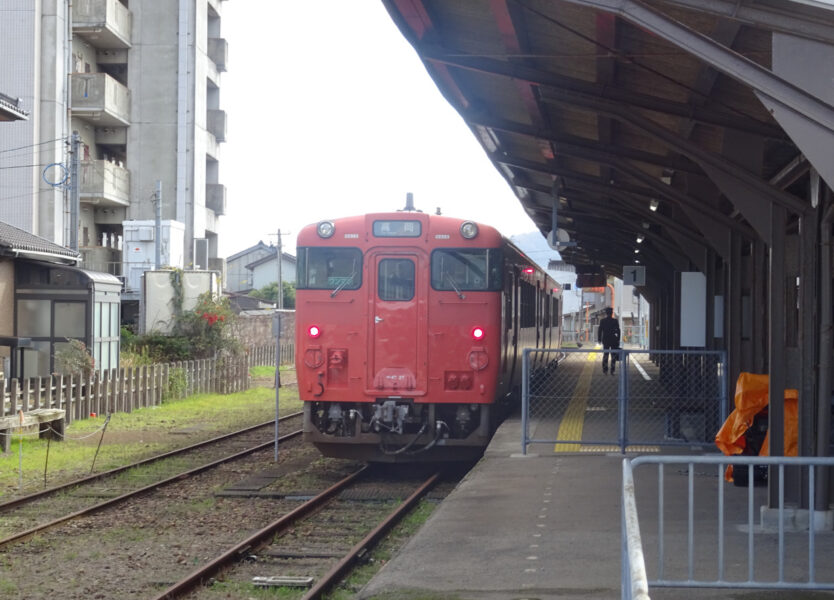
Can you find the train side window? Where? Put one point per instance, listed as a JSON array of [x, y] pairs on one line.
[[329, 269], [528, 305], [396, 279]]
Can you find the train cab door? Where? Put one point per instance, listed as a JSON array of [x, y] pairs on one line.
[[397, 365]]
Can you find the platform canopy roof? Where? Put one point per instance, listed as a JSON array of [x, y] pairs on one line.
[[632, 118]]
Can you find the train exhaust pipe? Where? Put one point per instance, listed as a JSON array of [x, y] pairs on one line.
[[409, 203]]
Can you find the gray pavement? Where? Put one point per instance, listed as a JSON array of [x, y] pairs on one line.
[[547, 526]]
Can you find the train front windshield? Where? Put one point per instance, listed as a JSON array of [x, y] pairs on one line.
[[470, 269], [329, 269]]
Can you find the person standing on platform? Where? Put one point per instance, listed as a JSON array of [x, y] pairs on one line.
[[609, 336]]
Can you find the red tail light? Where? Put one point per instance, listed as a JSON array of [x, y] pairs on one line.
[[314, 331], [529, 270], [478, 333]]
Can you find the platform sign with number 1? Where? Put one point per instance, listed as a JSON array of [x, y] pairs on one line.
[[634, 275]]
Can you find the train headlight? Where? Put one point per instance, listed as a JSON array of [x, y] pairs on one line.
[[478, 333], [468, 230], [326, 229], [314, 331]]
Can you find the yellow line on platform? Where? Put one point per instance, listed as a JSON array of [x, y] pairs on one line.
[[574, 418]]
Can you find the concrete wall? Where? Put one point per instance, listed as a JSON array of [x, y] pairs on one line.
[[152, 137], [152, 79], [32, 69], [255, 328]]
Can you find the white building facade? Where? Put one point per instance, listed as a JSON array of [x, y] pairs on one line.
[[140, 83]]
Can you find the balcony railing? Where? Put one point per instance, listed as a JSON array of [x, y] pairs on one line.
[[216, 198], [218, 52], [100, 98], [216, 124], [104, 23], [104, 183], [102, 259]]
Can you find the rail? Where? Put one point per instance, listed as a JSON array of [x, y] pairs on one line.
[[781, 551]]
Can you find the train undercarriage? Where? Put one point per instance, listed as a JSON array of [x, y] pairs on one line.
[[399, 430]]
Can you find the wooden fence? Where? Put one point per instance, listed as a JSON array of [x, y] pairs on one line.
[[123, 390], [262, 356]]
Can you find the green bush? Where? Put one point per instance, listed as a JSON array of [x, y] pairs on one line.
[[177, 384], [269, 293], [156, 347], [140, 358], [208, 327]]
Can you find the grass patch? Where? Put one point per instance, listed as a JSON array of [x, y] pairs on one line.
[[233, 589], [262, 372], [128, 534], [133, 436]]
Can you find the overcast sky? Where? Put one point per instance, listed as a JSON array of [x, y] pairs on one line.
[[331, 113]]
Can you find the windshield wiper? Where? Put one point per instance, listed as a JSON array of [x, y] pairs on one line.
[[341, 286], [454, 284]]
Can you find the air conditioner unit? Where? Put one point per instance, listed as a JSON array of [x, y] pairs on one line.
[[201, 253]]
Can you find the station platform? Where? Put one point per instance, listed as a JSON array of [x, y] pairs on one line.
[[546, 525]]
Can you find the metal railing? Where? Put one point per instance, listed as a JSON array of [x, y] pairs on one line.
[[653, 397], [780, 553]]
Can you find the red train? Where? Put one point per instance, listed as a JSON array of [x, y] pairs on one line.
[[409, 334]]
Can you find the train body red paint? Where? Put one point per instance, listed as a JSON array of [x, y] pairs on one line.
[[409, 332]]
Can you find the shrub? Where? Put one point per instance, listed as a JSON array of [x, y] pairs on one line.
[[208, 327], [269, 293], [74, 358], [156, 347], [139, 358], [177, 384]]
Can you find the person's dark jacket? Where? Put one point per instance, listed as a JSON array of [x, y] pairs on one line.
[[609, 332]]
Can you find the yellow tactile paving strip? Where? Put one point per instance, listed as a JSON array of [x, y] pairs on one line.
[[574, 419]]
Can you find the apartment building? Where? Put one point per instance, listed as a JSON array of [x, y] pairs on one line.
[[139, 80]]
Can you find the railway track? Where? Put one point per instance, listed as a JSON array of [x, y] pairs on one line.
[[34, 513], [139, 545], [318, 542]]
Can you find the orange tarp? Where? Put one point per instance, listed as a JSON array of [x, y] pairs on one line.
[[751, 397]]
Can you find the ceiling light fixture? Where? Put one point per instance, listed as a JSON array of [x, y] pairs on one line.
[[653, 204]]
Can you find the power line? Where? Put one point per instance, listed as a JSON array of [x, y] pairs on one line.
[[32, 145], [24, 166], [29, 195]]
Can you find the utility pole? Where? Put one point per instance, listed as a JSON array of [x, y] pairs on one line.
[[158, 225], [75, 191], [276, 325], [280, 257]]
